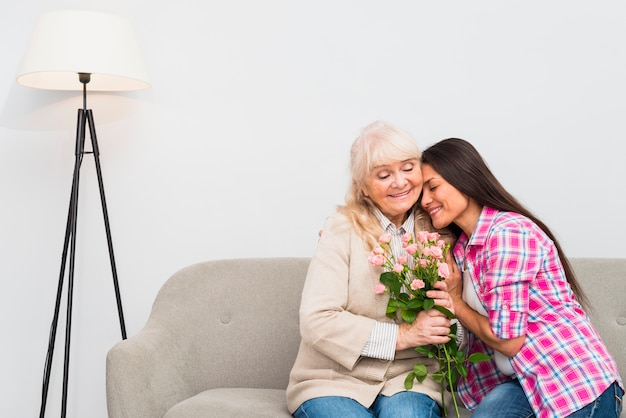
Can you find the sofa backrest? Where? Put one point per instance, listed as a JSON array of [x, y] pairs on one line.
[[604, 283], [236, 321]]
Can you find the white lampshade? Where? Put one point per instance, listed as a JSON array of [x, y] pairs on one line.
[[65, 43]]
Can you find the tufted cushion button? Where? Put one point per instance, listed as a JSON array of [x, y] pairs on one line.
[[225, 318], [621, 320]]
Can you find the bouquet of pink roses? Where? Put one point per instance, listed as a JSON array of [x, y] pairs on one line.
[[406, 280]]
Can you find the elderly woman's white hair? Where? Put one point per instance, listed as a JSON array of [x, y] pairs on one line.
[[378, 143]]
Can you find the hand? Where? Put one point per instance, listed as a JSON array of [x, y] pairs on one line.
[[430, 327], [455, 281], [441, 296]]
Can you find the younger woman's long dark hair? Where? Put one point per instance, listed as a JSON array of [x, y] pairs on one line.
[[460, 164]]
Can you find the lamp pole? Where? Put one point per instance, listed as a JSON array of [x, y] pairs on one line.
[[85, 118]]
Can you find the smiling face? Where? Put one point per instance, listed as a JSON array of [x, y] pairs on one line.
[[446, 204], [394, 187]]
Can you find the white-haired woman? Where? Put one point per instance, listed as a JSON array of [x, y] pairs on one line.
[[353, 359]]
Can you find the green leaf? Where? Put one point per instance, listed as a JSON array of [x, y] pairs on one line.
[[408, 315], [453, 376], [424, 349], [461, 369], [392, 306], [444, 311], [478, 357], [420, 372], [428, 303], [395, 287], [408, 382], [428, 350], [437, 377], [391, 280], [388, 278], [415, 303]]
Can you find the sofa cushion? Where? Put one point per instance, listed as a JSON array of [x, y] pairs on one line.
[[233, 403], [243, 403]]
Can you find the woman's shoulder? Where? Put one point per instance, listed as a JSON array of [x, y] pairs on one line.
[[505, 219], [504, 222], [338, 222]]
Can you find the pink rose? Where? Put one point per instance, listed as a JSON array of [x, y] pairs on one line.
[[398, 267], [406, 238], [380, 289], [444, 270], [441, 243], [436, 252], [417, 284], [403, 259], [422, 236], [384, 238], [376, 259], [433, 236], [423, 262], [426, 252], [411, 249]]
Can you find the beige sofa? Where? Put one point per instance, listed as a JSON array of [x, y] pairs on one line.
[[222, 337]]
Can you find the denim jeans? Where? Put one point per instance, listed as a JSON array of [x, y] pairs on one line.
[[508, 400], [400, 405]]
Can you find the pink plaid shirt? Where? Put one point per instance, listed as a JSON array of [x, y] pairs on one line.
[[563, 365]]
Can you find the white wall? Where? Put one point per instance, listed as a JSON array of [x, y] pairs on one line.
[[240, 147]]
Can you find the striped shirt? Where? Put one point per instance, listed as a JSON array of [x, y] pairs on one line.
[[563, 364], [382, 341]]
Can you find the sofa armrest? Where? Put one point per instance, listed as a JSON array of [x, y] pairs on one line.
[[145, 375]]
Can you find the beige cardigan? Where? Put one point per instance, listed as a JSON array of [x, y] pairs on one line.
[[338, 311]]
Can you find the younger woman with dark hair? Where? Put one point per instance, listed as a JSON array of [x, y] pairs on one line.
[[519, 300]]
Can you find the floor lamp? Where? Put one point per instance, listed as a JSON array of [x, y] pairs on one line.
[[70, 50]]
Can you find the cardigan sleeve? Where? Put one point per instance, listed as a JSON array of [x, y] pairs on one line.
[[338, 308]]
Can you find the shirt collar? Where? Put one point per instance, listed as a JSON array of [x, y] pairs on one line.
[[390, 227], [479, 235], [483, 226]]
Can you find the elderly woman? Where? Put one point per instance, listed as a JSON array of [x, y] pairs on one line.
[[353, 359]]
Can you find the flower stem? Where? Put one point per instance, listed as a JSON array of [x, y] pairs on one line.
[[449, 376]]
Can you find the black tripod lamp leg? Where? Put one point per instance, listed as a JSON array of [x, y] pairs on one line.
[[69, 243], [55, 318], [96, 154]]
